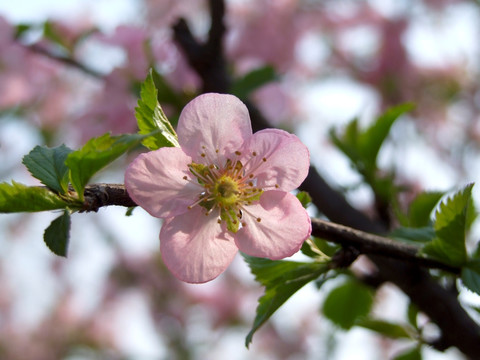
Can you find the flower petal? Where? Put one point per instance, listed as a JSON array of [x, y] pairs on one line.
[[194, 247], [287, 159], [215, 121], [283, 227], [155, 181]]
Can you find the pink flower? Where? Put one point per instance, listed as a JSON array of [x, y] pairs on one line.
[[223, 190]]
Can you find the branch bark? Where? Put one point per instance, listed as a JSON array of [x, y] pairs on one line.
[[100, 195]]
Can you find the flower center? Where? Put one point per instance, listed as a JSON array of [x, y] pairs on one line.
[[226, 191], [228, 188]]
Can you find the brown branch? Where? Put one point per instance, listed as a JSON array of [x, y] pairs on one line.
[[62, 59], [100, 195], [207, 59], [370, 244]]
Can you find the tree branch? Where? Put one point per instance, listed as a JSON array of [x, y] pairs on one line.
[[100, 195], [62, 59], [370, 244]]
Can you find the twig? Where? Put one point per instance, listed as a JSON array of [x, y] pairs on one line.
[[62, 59], [100, 195], [369, 244]]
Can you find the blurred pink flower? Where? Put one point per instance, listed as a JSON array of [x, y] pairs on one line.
[[223, 190], [112, 109], [267, 33], [134, 41]]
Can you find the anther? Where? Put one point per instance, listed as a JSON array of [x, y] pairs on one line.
[[203, 155], [277, 186], [250, 183], [264, 159], [251, 176], [258, 219], [185, 177], [244, 223], [254, 153], [238, 153], [219, 221]]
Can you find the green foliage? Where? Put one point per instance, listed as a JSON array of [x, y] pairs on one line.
[[386, 328], [362, 146], [17, 197], [243, 86], [304, 198], [48, 166], [347, 303], [57, 234], [413, 235], [412, 315], [411, 354], [450, 229], [281, 280], [96, 154], [471, 275], [421, 208], [151, 118]]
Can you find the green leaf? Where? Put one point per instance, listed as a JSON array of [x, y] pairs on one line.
[[450, 229], [362, 146], [347, 303], [412, 354], [96, 154], [304, 198], [371, 140], [57, 234], [242, 87], [348, 143], [412, 315], [386, 328], [421, 208], [471, 276], [48, 166], [17, 197], [413, 235], [281, 280], [151, 118]]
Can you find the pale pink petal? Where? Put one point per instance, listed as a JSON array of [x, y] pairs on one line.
[[287, 159], [155, 181], [283, 227], [213, 122], [195, 247]]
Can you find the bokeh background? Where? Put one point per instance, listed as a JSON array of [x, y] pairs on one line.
[[70, 70]]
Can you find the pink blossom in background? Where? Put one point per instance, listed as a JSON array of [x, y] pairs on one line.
[[112, 109], [266, 33], [134, 41], [171, 63], [223, 190]]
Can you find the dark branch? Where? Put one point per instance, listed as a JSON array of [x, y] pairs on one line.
[[207, 59], [61, 59], [100, 195], [369, 244]]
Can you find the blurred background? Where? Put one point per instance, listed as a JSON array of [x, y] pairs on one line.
[[70, 70]]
